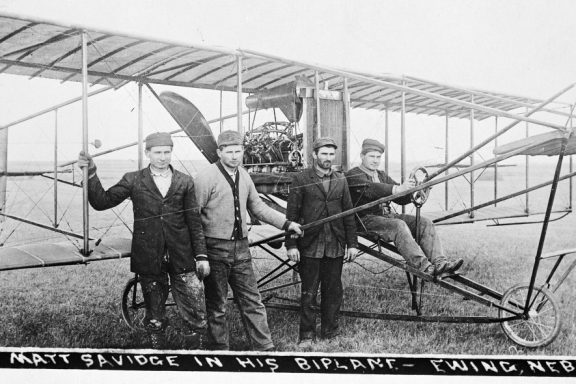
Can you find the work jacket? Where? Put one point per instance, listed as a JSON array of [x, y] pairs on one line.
[[309, 202], [364, 190], [163, 226]]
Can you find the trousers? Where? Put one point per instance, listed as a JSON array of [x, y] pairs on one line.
[[188, 293], [327, 273], [231, 263], [401, 229]]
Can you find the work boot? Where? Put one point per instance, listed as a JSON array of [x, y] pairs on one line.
[[449, 266], [157, 340], [305, 344], [194, 340], [430, 270]]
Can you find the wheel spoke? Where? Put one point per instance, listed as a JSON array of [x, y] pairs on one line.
[[540, 325], [537, 330], [517, 324], [546, 310], [532, 330]]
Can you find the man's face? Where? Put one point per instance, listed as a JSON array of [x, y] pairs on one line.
[[159, 156], [231, 155], [324, 157], [371, 160]]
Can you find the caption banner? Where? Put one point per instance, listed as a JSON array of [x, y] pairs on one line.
[[288, 363]]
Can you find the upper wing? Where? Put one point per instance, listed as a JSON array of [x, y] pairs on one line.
[[44, 49]]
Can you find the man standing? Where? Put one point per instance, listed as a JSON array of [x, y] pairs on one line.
[[367, 184], [168, 239], [225, 192], [318, 193]]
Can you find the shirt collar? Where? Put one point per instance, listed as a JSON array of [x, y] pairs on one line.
[[227, 169], [368, 171], [167, 173], [320, 172]]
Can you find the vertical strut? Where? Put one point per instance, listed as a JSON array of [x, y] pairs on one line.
[[85, 218], [403, 140], [386, 139], [527, 172], [55, 168], [317, 93], [545, 225], [239, 93], [3, 170], [446, 159], [140, 128], [221, 120], [472, 157], [495, 164], [571, 183], [346, 137]]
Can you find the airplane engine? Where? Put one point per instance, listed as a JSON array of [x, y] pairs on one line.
[[273, 147]]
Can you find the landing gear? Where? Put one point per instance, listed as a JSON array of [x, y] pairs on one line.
[[541, 324], [133, 309]]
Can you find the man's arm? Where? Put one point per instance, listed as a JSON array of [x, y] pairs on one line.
[[349, 222], [261, 211], [202, 188], [293, 207], [194, 221], [349, 225], [360, 184], [293, 214], [101, 199], [98, 198]]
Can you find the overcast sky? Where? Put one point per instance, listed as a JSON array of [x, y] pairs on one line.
[[517, 47]]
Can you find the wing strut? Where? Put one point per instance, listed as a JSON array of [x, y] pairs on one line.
[[85, 218]]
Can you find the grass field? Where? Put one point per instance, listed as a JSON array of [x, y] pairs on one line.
[[79, 306]]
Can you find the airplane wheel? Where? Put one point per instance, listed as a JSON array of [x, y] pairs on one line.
[[133, 309], [542, 324]]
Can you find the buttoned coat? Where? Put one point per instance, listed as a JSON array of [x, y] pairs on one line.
[[309, 202], [171, 223], [364, 190]]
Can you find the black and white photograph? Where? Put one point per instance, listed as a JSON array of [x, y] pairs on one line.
[[287, 190]]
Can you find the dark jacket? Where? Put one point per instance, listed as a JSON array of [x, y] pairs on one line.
[[363, 190], [160, 223], [309, 202]]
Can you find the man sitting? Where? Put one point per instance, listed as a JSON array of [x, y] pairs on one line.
[[367, 184]]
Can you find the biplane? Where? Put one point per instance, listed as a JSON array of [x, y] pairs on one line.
[[315, 101]]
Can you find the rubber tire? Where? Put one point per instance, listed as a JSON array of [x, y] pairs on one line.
[[514, 329], [133, 313]]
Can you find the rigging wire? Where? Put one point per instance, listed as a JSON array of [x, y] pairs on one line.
[[27, 214], [36, 203]]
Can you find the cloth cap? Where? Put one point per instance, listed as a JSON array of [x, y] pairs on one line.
[[158, 139], [324, 142], [230, 138], [369, 145]]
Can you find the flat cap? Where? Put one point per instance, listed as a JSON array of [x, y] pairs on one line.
[[324, 142], [230, 138], [158, 139], [369, 145]]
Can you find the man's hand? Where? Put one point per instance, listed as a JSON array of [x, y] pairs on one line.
[[406, 185], [293, 254], [85, 160], [351, 254], [295, 227], [202, 268]]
